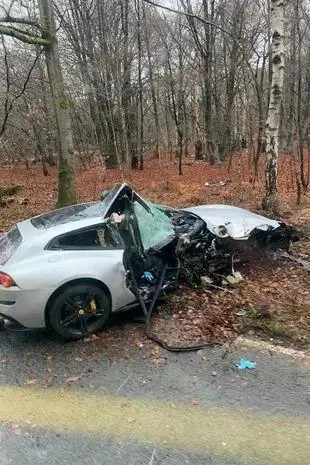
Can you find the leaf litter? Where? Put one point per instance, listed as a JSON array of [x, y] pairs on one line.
[[194, 314]]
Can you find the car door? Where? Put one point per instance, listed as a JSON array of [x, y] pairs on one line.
[[95, 252]]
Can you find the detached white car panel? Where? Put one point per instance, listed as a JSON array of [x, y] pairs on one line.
[[238, 222]]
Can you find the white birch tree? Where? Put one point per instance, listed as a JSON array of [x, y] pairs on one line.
[[274, 109]]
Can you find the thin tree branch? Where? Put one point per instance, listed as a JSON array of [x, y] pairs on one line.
[[7, 76], [26, 21], [9, 106], [21, 31], [217, 26], [189, 15], [23, 36]]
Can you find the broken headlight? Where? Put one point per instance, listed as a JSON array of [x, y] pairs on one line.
[[220, 231]]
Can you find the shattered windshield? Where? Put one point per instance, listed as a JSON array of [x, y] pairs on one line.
[[154, 226]]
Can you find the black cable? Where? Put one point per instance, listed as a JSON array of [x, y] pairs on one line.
[[191, 348], [148, 313]]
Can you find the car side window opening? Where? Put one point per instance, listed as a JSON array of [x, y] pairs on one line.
[[98, 237]]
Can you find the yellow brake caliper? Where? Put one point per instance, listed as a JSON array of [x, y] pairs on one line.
[[93, 305]]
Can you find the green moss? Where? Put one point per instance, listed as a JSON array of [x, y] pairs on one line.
[[66, 186], [268, 326], [273, 330], [65, 103]]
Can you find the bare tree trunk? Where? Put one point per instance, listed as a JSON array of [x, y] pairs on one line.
[[273, 120], [169, 147], [205, 49], [300, 132], [290, 127], [79, 33], [153, 90], [62, 105], [270, 48], [307, 114], [126, 97], [237, 24], [207, 77], [259, 93], [140, 92], [180, 119], [102, 82], [177, 97]]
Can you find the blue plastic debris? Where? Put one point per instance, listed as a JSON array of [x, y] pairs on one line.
[[243, 364], [148, 276]]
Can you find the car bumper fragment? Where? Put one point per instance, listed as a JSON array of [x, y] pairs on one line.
[[9, 323]]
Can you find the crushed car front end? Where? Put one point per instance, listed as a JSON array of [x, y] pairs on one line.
[[207, 241]]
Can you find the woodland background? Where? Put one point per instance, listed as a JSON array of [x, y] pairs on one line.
[[143, 80], [100, 91]]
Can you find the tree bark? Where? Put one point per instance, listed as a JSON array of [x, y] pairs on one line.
[[140, 86], [152, 88], [237, 21], [273, 119], [128, 110], [62, 104]]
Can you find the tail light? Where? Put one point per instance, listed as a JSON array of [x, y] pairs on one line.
[[6, 280]]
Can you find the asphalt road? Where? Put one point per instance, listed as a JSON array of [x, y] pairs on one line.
[[95, 404]]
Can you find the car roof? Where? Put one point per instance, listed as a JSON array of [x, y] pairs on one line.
[[71, 218], [63, 220]]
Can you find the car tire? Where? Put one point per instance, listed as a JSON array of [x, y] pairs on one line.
[[78, 311]]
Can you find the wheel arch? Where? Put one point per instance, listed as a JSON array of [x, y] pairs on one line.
[[66, 285]]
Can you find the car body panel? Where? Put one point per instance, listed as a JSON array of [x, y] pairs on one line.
[[38, 277], [26, 305], [238, 222], [52, 269]]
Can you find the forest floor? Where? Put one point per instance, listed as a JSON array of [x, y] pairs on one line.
[[192, 314]]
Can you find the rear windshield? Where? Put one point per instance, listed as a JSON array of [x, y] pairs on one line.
[[9, 243], [68, 214], [75, 212]]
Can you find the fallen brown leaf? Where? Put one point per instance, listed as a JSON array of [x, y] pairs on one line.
[[17, 432], [72, 379], [31, 381], [195, 402]]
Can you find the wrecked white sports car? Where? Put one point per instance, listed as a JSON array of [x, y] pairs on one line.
[[70, 268]]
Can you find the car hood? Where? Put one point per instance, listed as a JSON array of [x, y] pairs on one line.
[[239, 223]]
